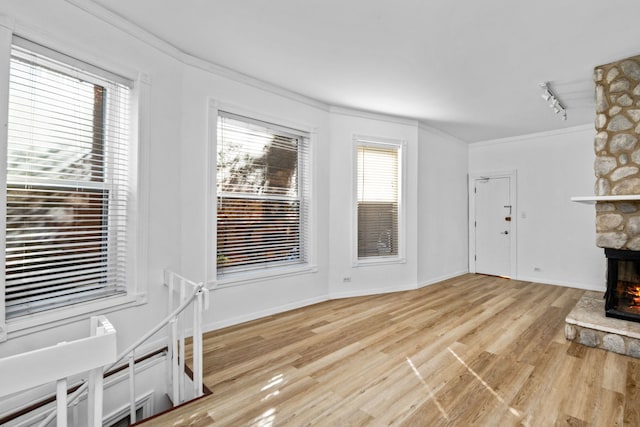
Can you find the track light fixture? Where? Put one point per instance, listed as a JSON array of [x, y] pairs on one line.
[[554, 103]]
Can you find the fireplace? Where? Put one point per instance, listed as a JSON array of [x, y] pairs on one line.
[[622, 299]]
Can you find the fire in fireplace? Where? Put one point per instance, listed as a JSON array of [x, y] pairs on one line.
[[622, 299]]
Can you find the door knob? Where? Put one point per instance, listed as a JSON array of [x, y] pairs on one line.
[[505, 232]]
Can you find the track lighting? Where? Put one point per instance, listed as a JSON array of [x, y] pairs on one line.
[[554, 103]]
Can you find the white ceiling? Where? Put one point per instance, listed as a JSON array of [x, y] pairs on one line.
[[470, 68]]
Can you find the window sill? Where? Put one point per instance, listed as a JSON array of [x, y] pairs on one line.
[[379, 261], [242, 278], [37, 322]]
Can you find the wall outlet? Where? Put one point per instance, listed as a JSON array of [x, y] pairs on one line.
[[346, 279], [537, 269]]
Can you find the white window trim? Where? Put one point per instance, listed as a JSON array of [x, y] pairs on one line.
[[137, 254], [400, 145], [210, 226]]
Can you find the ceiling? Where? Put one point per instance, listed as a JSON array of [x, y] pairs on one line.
[[469, 68]]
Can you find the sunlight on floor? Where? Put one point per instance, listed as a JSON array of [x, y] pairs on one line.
[[278, 379], [433, 397], [513, 411], [266, 419]]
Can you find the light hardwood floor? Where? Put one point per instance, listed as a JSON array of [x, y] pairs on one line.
[[474, 350]]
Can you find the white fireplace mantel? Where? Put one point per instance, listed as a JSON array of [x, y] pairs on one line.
[[593, 199]]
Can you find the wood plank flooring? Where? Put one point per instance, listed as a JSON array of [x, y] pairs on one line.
[[474, 350]]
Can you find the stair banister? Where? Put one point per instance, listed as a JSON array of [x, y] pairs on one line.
[[56, 363], [198, 289], [177, 337]]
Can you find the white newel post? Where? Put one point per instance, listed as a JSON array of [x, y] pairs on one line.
[[56, 363]]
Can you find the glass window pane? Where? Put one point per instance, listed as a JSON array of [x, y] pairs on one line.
[[260, 211], [377, 203]]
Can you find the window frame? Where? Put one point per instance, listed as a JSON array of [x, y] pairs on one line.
[[384, 143], [137, 210], [241, 277]]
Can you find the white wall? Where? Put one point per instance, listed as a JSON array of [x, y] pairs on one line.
[[366, 279], [442, 209], [555, 235], [62, 26], [245, 301]]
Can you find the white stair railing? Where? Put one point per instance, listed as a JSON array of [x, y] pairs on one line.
[[200, 295], [179, 290], [56, 363]]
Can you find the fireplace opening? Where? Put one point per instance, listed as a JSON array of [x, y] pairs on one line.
[[622, 299]]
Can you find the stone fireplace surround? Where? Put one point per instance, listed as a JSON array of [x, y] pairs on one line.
[[617, 171], [617, 149]]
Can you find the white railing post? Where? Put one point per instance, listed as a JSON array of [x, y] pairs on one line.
[[61, 402], [169, 277], [99, 327], [74, 411], [178, 333], [175, 367], [96, 395], [197, 346], [94, 399], [183, 285], [132, 388]]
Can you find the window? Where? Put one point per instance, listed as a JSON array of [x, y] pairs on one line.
[[67, 184], [378, 201], [262, 195]]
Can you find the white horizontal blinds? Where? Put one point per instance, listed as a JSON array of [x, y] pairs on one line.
[[377, 204], [261, 194], [67, 184]]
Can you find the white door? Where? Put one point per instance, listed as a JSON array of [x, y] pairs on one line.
[[493, 226]]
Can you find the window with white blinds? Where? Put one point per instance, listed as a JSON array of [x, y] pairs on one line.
[[262, 195], [378, 199], [66, 182]]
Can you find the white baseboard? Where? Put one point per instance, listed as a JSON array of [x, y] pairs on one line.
[[370, 291], [576, 285], [332, 295], [442, 278], [263, 313]]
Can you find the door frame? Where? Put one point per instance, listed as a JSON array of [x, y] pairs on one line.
[[513, 184]]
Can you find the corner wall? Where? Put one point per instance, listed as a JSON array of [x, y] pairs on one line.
[[556, 237], [442, 206]]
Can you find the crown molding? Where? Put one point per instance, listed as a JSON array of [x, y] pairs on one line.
[[363, 114], [536, 135], [121, 23], [126, 26], [7, 22], [436, 131], [239, 77]]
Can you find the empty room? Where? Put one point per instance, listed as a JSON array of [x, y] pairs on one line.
[[287, 213]]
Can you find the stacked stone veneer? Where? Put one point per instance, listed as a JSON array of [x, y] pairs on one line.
[[587, 324], [617, 147]]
